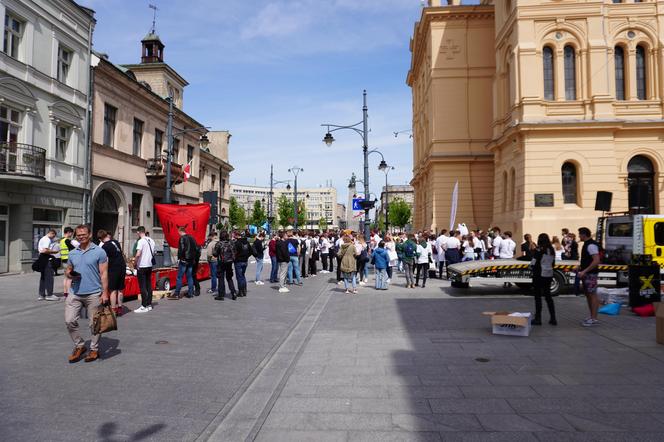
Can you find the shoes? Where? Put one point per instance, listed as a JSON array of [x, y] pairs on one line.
[[210, 291], [348, 292], [363, 283], [41, 298], [536, 322], [92, 356], [118, 311], [141, 309], [52, 298], [365, 280], [423, 286], [590, 322], [173, 296], [233, 296], [299, 283], [260, 283], [354, 291], [188, 296], [219, 298], [284, 290], [339, 282], [197, 293], [77, 354], [553, 322], [388, 280], [149, 307]]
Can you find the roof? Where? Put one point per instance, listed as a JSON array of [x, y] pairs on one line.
[[151, 36]]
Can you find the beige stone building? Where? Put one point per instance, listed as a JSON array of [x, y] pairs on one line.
[[534, 106]]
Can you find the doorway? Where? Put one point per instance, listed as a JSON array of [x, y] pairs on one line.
[[105, 213], [641, 185], [4, 240]]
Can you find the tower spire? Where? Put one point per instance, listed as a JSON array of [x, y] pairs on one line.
[[154, 17]]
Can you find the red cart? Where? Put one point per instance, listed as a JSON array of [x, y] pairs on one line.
[[164, 278]]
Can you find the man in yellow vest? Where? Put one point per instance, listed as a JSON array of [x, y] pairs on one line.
[[67, 244]]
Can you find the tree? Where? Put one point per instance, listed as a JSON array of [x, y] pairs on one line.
[[236, 215], [258, 215], [322, 224], [284, 211], [399, 214]]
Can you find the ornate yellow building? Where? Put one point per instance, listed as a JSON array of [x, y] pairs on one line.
[[534, 106]]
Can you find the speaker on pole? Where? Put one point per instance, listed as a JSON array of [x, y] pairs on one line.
[[603, 201]]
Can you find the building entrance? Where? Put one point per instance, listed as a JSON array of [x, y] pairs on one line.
[[105, 213]]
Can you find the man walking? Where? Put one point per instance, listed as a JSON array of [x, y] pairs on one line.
[[88, 270], [186, 256], [242, 254], [224, 252], [212, 262], [259, 252], [144, 262], [274, 265], [587, 273], [46, 267]]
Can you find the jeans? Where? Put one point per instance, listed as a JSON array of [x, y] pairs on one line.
[[46, 280], [185, 268], [381, 279], [225, 272], [240, 270], [274, 270], [259, 268], [408, 270], [349, 279], [294, 267], [145, 284], [302, 260], [424, 269], [283, 271], [213, 275]]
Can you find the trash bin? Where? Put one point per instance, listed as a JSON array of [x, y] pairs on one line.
[[644, 284]]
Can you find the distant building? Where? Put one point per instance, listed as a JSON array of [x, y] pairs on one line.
[[341, 216], [403, 192]]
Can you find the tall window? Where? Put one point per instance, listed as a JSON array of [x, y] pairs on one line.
[[570, 73], [136, 199], [641, 185], [64, 63], [547, 54], [176, 149], [158, 142], [190, 153], [512, 189], [138, 137], [568, 173], [10, 126], [13, 34], [213, 181], [619, 61], [110, 114], [61, 142], [505, 191], [640, 72]]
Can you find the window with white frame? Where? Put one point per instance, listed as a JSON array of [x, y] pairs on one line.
[[13, 34], [64, 63], [62, 133], [10, 126]]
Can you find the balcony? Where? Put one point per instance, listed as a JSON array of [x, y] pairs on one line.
[[23, 160], [155, 172]]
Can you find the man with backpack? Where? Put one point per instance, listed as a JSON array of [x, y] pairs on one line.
[[242, 253], [223, 251], [259, 250], [409, 251], [187, 252], [294, 253]]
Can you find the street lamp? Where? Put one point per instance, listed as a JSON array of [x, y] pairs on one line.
[[270, 212], [386, 170], [364, 133], [295, 170]]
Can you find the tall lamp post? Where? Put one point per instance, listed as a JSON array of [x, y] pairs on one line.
[[386, 170], [270, 212], [295, 170], [364, 133]]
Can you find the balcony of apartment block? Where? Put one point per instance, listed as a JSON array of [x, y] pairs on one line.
[[22, 161], [155, 172]]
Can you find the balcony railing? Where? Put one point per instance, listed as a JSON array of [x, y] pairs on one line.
[[22, 159], [155, 171]]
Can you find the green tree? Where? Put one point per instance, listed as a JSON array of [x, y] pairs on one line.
[[236, 215], [399, 213], [284, 211], [322, 224], [258, 215]]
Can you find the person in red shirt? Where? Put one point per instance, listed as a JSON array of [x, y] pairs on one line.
[[272, 250]]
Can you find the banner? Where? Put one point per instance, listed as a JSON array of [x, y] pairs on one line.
[[455, 203], [193, 217]]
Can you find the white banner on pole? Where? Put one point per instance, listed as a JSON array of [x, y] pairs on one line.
[[455, 202]]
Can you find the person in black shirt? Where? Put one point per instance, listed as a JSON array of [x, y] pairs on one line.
[[242, 253], [117, 268], [187, 251], [283, 258], [542, 264], [528, 248]]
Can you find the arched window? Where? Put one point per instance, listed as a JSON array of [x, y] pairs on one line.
[[512, 189], [505, 192], [570, 73], [508, 86], [640, 72], [619, 61], [547, 55], [570, 183], [641, 185]]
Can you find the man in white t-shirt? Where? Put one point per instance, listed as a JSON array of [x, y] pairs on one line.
[[44, 262], [495, 243], [507, 246], [441, 245], [144, 256]]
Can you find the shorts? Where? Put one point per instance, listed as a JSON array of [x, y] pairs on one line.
[[116, 281], [589, 283]]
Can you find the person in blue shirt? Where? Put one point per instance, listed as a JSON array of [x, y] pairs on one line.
[[380, 259], [88, 269]]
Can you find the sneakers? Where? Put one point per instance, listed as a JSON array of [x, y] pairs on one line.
[[348, 292], [149, 308], [210, 291], [52, 298], [284, 290], [260, 283], [339, 282], [363, 283], [354, 291], [141, 309], [41, 298], [173, 296], [388, 280], [365, 280], [590, 322]]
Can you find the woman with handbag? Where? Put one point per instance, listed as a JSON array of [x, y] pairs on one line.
[[348, 264], [391, 249]]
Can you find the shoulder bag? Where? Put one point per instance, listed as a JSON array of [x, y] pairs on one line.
[[103, 320]]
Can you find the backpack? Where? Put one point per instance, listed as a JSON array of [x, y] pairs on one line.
[[291, 249], [246, 249], [226, 252], [409, 250]]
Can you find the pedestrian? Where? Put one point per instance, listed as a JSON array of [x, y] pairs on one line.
[[495, 243], [117, 268], [393, 258], [88, 268], [224, 253], [557, 248], [453, 248], [348, 264], [587, 272], [294, 263], [283, 258], [67, 244], [144, 261], [507, 246], [259, 251], [468, 249], [441, 245], [423, 261], [409, 256], [314, 254], [45, 267], [212, 261], [242, 254], [542, 264], [381, 260], [362, 259], [338, 242], [572, 251], [528, 248], [274, 265], [187, 249], [303, 259], [332, 255], [324, 252]]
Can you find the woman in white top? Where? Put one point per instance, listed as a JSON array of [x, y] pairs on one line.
[[391, 249], [558, 248], [468, 249], [423, 259]]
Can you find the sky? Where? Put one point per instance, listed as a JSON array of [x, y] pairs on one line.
[[272, 71]]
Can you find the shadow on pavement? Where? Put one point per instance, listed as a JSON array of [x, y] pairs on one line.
[[108, 432]]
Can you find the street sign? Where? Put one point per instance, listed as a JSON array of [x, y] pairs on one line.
[[357, 203]]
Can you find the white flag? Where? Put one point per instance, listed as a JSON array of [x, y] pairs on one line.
[[455, 202]]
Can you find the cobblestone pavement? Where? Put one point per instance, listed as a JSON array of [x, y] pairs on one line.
[[319, 365]]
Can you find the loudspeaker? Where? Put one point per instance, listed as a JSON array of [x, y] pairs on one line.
[[603, 201]]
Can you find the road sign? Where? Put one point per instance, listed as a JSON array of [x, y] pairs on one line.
[[357, 203]]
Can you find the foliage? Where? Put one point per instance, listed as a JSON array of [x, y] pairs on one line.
[[322, 224], [399, 213], [258, 214], [236, 215], [284, 211]]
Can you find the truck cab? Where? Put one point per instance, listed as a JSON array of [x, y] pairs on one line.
[[624, 235]]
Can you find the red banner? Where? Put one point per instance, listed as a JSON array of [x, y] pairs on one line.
[[193, 217]]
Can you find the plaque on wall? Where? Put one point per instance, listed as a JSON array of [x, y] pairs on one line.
[[544, 200]]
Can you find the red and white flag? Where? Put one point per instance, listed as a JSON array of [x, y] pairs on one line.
[[187, 171]]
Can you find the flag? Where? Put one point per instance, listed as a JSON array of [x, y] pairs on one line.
[[455, 202], [193, 217], [187, 171]]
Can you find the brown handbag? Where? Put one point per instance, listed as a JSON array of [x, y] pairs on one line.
[[104, 320]]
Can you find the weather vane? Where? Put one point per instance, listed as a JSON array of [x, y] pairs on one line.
[[154, 15]]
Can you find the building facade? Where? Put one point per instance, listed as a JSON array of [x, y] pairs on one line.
[[44, 92], [558, 100]]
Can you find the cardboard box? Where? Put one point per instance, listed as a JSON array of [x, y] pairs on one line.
[[504, 324], [659, 321]]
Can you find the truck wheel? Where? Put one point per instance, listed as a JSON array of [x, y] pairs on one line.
[[557, 283], [164, 283], [460, 285], [524, 285]]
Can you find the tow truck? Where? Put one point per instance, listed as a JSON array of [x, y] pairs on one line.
[[621, 235]]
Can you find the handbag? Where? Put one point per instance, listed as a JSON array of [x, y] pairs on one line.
[[103, 320], [154, 261]]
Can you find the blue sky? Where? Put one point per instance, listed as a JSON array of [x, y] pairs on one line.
[[271, 71]]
